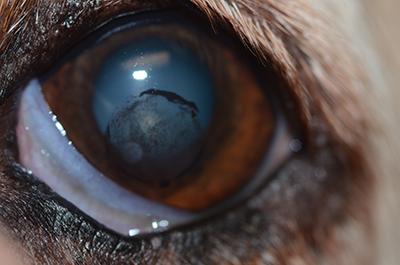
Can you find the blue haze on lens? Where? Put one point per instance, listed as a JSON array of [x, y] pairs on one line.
[[169, 66], [154, 100]]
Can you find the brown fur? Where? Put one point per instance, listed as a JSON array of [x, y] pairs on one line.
[[298, 219]]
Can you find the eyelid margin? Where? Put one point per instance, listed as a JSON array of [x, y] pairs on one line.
[[43, 146], [40, 154]]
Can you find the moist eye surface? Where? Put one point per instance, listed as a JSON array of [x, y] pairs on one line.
[[154, 124], [153, 101]]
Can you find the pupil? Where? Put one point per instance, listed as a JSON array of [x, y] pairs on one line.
[[153, 102]]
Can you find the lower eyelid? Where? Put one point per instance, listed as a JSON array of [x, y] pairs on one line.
[[46, 151], [74, 175], [76, 178]]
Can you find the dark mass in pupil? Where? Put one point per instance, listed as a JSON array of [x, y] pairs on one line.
[[157, 135], [153, 102], [171, 96]]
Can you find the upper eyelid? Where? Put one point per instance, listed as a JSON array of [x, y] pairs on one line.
[[303, 47], [288, 61], [284, 35]]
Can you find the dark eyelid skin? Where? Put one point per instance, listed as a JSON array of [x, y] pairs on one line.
[[297, 215]]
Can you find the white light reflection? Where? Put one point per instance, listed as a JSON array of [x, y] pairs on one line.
[[154, 225], [163, 223], [140, 75], [134, 232], [58, 125]]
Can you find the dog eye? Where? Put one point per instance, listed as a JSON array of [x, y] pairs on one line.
[[151, 124]]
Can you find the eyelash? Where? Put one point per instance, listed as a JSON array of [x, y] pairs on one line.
[[68, 25], [245, 223]]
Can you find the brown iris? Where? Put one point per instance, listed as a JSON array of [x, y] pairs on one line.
[[165, 140]]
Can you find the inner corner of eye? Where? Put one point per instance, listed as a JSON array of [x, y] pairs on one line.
[[151, 128]]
